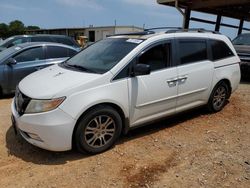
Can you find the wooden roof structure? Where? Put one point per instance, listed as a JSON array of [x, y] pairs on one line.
[[238, 9]]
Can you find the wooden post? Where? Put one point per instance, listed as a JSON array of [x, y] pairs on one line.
[[218, 22], [241, 26], [186, 19]]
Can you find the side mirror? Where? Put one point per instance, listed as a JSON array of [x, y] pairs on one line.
[[141, 69], [11, 61]]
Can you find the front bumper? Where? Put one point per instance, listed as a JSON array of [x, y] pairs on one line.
[[54, 128]]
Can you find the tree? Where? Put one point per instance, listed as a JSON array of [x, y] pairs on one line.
[[4, 29], [16, 28], [32, 27]]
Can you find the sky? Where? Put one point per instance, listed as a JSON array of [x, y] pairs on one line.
[[82, 13]]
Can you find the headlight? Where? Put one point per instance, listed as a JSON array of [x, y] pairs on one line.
[[36, 106]]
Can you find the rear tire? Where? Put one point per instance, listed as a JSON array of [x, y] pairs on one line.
[[98, 130], [218, 97]]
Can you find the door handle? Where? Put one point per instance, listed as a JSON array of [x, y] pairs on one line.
[[172, 83], [182, 80]]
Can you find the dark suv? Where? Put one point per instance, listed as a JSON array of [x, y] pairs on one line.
[[242, 46], [19, 39]]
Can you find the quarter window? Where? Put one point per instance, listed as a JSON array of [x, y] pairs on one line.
[[220, 50], [32, 54], [57, 52], [192, 51], [157, 57]]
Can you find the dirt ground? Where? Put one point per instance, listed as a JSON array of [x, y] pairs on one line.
[[194, 149]]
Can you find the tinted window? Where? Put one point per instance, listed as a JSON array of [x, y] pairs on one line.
[[243, 39], [64, 41], [192, 51], [124, 73], [157, 57], [220, 50], [41, 39], [32, 54], [56, 52], [16, 42], [71, 53]]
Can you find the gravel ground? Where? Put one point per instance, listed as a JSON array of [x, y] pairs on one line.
[[194, 149]]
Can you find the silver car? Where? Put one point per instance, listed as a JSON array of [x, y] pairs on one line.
[[19, 61]]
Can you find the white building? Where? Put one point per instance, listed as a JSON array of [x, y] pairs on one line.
[[92, 33]]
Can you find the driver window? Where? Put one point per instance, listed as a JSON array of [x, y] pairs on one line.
[[158, 57], [32, 54]]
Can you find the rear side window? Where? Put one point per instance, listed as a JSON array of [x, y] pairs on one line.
[[64, 41], [58, 52], [41, 39], [33, 54], [192, 51], [220, 50]]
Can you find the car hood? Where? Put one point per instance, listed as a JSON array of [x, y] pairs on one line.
[[242, 48], [50, 82]]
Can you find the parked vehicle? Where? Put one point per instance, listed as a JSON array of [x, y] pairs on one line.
[[242, 47], [19, 61], [19, 39], [123, 82]]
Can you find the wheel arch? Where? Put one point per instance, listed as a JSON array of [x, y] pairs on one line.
[[228, 83], [125, 121]]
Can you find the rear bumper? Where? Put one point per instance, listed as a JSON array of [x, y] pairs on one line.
[[54, 128]]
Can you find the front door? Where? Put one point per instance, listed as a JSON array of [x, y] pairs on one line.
[[28, 61], [154, 95]]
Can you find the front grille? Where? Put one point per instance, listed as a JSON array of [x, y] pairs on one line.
[[21, 102]]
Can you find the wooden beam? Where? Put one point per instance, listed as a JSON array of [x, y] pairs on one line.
[[198, 4]]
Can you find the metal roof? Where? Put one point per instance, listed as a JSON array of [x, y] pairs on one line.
[[239, 9]]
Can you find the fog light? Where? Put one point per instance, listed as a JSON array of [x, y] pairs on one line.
[[34, 136]]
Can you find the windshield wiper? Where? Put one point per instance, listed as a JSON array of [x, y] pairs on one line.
[[79, 67]]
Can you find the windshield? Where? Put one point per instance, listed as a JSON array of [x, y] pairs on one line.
[[5, 42], [103, 55], [243, 39], [8, 52]]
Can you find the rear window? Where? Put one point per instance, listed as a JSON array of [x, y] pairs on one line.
[[63, 41], [192, 51], [41, 39], [220, 50]]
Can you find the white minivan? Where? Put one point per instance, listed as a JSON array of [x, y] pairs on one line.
[[123, 82]]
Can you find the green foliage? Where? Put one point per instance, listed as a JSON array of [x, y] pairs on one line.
[[4, 29], [15, 27], [32, 27]]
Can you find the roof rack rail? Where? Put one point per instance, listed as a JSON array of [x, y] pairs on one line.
[[198, 30], [134, 33], [160, 28]]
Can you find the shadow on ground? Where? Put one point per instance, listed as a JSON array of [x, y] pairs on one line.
[[18, 147]]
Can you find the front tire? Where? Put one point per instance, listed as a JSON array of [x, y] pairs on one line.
[[98, 130], [218, 97]]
